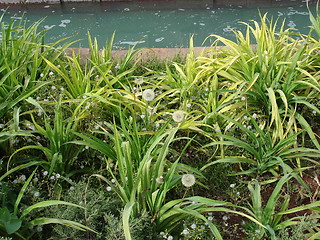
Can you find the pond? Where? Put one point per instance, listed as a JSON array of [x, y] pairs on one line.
[[157, 24]]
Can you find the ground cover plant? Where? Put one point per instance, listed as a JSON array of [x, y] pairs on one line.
[[224, 145]]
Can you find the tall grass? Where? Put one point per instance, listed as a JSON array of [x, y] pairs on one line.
[[272, 73], [21, 59], [247, 103]]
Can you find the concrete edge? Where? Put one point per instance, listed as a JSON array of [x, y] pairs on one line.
[[144, 54]]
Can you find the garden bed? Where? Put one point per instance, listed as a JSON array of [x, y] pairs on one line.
[[205, 145]]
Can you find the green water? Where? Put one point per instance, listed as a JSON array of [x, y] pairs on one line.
[[153, 24]]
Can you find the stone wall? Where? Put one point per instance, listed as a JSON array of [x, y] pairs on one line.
[[48, 1], [217, 2]]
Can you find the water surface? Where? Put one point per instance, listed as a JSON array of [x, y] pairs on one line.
[[154, 24]]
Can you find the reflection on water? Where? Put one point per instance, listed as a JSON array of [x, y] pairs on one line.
[[157, 24]]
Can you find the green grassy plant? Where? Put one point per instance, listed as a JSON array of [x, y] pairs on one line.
[[59, 153], [16, 221], [21, 59], [252, 104], [272, 75], [272, 215], [261, 154]]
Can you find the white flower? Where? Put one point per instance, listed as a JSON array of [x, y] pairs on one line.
[[72, 188], [228, 127], [170, 237], [117, 66], [188, 105], [36, 194], [210, 218], [254, 115], [51, 73], [232, 185], [142, 116], [45, 173], [178, 116], [193, 226], [138, 81], [148, 95], [108, 188], [245, 117], [162, 234], [314, 112], [58, 175], [185, 231], [53, 87], [188, 180], [113, 180], [249, 127], [41, 75], [225, 218], [23, 178], [159, 180], [61, 89], [243, 98], [52, 178], [39, 229], [1, 125]]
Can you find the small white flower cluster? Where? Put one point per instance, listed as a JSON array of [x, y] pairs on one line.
[[159, 180], [21, 179], [185, 231], [210, 218], [30, 126], [166, 236], [139, 81]]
